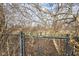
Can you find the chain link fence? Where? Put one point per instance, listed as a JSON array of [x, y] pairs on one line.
[[26, 45]]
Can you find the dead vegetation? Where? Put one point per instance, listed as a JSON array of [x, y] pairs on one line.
[[35, 19]]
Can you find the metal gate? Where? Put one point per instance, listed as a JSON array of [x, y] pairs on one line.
[[24, 45], [48, 45]]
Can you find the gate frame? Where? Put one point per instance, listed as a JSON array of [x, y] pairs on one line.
[[68, 49]]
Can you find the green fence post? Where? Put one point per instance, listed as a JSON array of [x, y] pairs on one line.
[[22, 43]]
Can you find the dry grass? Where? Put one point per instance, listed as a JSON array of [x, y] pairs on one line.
[[9, 45]]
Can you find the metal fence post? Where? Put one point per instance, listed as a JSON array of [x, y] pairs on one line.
[[22, 43], [68, 51]]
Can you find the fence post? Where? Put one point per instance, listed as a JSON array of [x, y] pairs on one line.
[[22, 43], [68, 51]]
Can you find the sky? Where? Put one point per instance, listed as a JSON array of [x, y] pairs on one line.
[[46, 5]]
